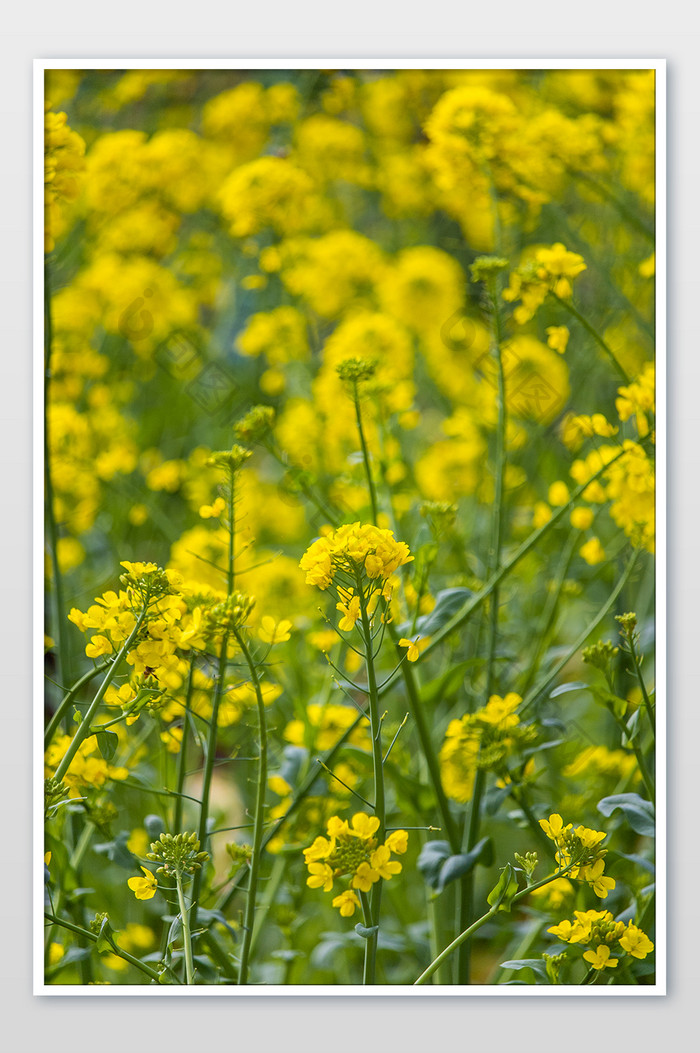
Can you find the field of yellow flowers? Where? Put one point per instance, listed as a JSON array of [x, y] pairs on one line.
[[349, 475]]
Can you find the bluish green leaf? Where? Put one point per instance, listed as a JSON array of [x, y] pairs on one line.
[[638, 812], [366, 932], [458, 866], [538, 966], [447, 603]]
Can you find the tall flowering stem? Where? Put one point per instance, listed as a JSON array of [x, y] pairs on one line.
[[221, 620], [369, 970], [356, 563], [487, 269], [62, 672], [259, 814]]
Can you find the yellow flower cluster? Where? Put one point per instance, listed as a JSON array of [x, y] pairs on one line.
[[484, 739], [597, 930], [548, 269], [64, 162], [351, 850], [356, 552], [87, 770], [580, 847]]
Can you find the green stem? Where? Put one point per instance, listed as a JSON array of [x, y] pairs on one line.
[[594, 333], [84, 727], [298, 800], [464, 936], [378, 771], [268, 898], [62, 672], [645, 695], [546, 682], [87, 935], [209, 771], [182, 756], [258, 818], [365, 455], [416, 710], [186, 935], [370, 962], [57, 717], [466, 898], [231, 531], [648, 781], [546, 622]]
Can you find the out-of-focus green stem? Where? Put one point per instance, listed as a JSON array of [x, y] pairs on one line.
[[464, 936], [209, 770], [182, 756], [258, 817], [378, 771], [63, 671], [594, 333]]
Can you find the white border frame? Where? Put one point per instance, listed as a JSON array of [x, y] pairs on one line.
[[39, 987]]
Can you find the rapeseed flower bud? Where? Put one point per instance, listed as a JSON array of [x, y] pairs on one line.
[[177, 855]]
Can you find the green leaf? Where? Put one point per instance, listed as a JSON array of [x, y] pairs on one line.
[[638, 812], [107, 742], [364, 932], [104, 936], [538, 966], [154, 826], [607, 698], [447, 603], [460, 865], [117, 852], [439, 866], [564, 689], [431, 860], [501, 895]]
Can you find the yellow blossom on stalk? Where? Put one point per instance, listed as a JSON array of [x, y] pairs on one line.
[[549, 269], [636, 942], [557, 338], [350, 612], [554, 827], [600, 958], [352, 851], [581, 518], [347, 903], [172, 739], [580, 851], [558, 493], [484, 740], [592, 551], [214, 510], [143, 887], [64, 152], [325, 725], [273, 632], [638, 400], [354, 550], [415, 647]]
